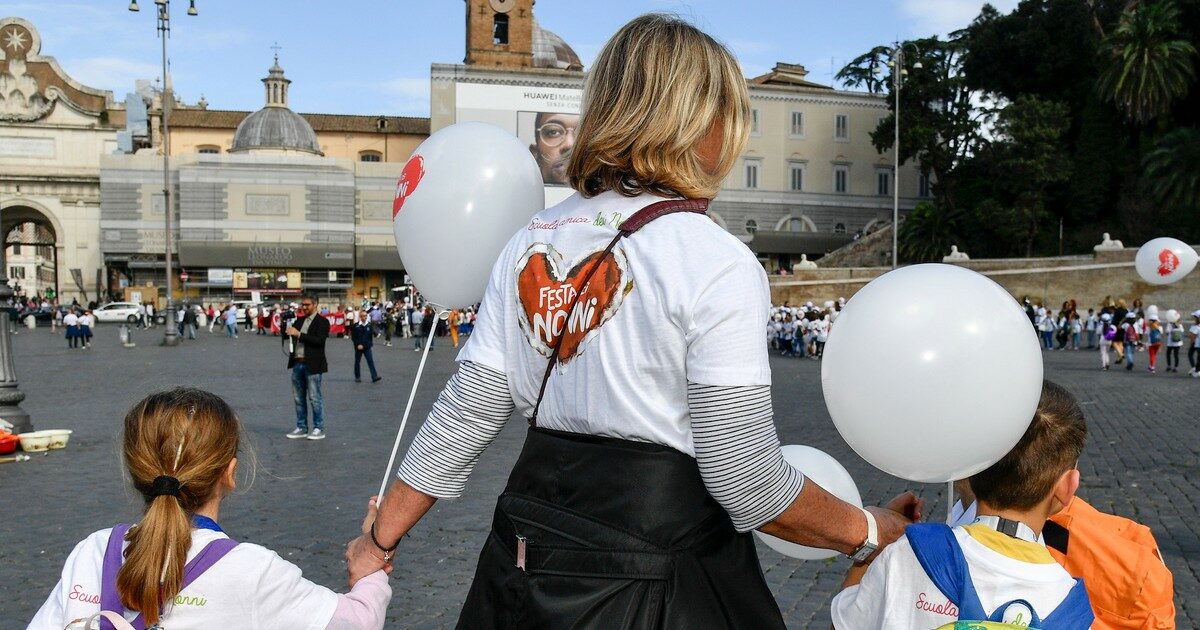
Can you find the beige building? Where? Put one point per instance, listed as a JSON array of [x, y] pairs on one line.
[[809, 181], [270, 203], [53, 132]]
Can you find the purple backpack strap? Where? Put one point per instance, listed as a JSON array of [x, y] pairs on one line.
[[111, 601]]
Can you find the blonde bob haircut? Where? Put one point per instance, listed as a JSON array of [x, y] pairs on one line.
[[653, 93]]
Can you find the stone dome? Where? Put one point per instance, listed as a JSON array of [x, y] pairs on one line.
[[552, 51], [275, 126]]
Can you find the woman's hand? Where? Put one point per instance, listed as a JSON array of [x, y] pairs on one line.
[[362, 556]]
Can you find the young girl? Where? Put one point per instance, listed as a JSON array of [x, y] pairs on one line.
[[1173, 334], [176, 568], [1108, 332], [1153, 340]]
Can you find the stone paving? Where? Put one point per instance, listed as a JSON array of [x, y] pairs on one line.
[[307, 500]]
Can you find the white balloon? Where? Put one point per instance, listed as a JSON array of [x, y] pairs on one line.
[[1172, 316], [932, 373], [1164, 260], [463, 194], [822, 469]]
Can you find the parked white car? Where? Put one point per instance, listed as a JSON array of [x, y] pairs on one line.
[[119, 312]]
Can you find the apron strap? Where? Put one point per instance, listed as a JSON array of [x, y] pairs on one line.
[[634, 223], [111, 601]]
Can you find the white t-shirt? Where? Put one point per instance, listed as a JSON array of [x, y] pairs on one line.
[[896, 592], [680, 300], [71, 319], [251, 587], [1195, 332]]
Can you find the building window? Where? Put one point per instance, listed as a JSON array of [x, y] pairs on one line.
[[500, 29], [923, 186], [755, 127], [798, 224], [751, 226], [841, 178], [370, 156], [796, 176], [208, 149], [839, 228], [752, 173], [16, 273], [797, 130], [841, 127], [883, 182]]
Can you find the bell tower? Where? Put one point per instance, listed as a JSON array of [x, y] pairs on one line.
[[499, 33]]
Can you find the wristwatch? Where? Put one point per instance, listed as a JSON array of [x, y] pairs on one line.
[[871, 544]]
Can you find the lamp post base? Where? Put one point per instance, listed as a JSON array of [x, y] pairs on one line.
[[171, 334], [10, 395]]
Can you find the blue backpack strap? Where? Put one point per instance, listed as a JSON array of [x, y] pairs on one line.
[[1074, 612], [1033, 622], [942, 559]]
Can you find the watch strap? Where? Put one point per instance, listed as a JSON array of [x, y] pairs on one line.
[[869, 546]]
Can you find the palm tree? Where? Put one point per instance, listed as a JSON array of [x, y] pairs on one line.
[[928, 232], [1171, 169], [1151, 65]]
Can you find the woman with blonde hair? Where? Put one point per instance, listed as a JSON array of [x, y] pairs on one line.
[[626, 327], [176, 567]]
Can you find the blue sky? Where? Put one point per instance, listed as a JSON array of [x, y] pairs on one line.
[[373, 57]]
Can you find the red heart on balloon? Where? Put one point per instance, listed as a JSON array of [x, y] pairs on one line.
[[1168, 262], [554, 304], [413, 171]]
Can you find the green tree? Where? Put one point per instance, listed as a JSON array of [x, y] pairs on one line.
[[928, 232], [939, 121], [1172, 172], [1030, 134], [1150, 65]]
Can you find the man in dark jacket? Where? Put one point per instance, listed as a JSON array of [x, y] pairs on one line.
[[308, 333], [363, 337]]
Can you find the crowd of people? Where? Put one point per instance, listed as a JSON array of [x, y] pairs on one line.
[[1119, 328], [801, 331]]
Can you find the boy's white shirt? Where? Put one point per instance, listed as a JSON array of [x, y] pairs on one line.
[[896, 592], [251, 587]]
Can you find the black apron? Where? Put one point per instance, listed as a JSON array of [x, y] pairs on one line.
[[600, 532]]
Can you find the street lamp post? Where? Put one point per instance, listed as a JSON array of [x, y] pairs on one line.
[[170, 336], [10, 394], [898, 74]]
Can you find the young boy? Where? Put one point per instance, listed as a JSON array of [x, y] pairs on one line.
[[996, 569]]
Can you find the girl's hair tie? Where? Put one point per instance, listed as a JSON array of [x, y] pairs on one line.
[[165, 485]]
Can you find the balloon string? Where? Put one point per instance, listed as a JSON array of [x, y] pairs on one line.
[[387, 473], [950, 501]]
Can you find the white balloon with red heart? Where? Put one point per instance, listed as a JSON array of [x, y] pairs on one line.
[[460, 198], [1165, 260]]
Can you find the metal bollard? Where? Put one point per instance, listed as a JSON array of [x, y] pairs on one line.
[[127, 336]]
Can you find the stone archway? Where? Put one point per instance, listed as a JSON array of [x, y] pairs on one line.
[[30, 251]]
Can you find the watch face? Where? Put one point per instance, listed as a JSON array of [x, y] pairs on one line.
[[502, 6]]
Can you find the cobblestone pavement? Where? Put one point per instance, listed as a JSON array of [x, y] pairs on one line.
[[1143, 461]]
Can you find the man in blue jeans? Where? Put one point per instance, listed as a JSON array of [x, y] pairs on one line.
[[362, 335], [308, 333]]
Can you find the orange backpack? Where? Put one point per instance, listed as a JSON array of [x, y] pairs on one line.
[[1127, 582]]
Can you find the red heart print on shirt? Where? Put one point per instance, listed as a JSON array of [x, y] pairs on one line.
[[1168, 262], [413, 171], [547, 292]]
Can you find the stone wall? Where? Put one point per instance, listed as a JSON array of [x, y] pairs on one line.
[[1087, 279]]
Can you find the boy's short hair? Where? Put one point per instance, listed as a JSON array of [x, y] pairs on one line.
[[1051, 446]]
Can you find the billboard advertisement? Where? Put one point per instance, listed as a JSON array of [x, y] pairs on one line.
[[543, 118]]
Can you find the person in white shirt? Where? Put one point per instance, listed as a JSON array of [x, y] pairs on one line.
[[1173, 335], [71, 323], [180, 450], [1194, 345], [997, 568], [1092, 325], [633, 347]]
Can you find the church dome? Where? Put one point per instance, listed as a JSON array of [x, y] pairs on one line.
[[275, 126], [552, 51]]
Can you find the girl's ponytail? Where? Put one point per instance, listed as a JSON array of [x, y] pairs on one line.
[[177, 446], [152, 573]]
